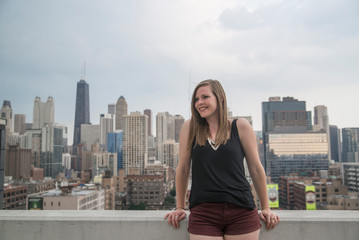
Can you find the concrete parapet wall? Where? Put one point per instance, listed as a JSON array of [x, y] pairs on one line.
[[128, 225]]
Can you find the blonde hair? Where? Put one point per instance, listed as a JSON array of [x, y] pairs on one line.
[[199, 129]]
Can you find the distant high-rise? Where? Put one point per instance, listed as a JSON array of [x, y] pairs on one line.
[[335, 144], [17, 162], [43, 113], [52, 149], [162, 128], [115, 145], [148, 113], [179, 120], [20, 125], [6, 113], [82, 111], [106, 126], [170, 151], [302, 153], [135, 143], [350, 148], [287, 113], [289, 144], [33, 140], [321, 118], [90, 134], [111, 109], [121, 111]]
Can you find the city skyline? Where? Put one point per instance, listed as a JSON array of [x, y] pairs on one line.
[[154, 55]]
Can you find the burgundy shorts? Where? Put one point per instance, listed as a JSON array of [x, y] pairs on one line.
[[219, 219]]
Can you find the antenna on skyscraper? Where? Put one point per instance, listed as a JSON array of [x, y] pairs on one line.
[[83, 71]]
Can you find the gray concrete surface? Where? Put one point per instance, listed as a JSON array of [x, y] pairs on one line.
[[128, 225]]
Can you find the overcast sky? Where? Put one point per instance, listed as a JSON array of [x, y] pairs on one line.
[[154, 53]]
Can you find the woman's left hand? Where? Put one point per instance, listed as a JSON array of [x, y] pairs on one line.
[[269, 217]]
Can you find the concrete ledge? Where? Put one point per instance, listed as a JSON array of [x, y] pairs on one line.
[[127, 225]]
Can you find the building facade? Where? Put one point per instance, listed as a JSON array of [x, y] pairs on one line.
[[302, 153], [147, 189], [14, 197], [350, 173], [350, 150], [19, 123], [51, 150], [107, 125], [115, 145], [135, 143], [17, 162]]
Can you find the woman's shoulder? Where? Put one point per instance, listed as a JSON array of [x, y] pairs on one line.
[[243, 123], [243, 126]]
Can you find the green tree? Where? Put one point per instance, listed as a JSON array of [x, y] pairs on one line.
[[173, 191], [169, 201]]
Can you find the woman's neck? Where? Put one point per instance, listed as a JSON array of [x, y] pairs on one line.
[[213, 124]]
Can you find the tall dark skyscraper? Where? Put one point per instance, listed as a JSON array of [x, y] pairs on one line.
[[335, 144], [82, 111]]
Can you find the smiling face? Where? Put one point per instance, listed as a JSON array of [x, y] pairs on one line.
[[206, 102]]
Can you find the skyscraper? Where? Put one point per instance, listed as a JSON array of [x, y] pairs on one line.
[[17, 162], [51, 150], [290, 146], [148, 113], [301, 153], [161, 134], [6, 113], [350, 148], [111, 109], [135, 143], [321, 122], [321, 118], [82, 111], [179, 120], [106, 126], [20, 125], [121, 111], [43, 113], [115, 145], [287, 113], [335, 144]]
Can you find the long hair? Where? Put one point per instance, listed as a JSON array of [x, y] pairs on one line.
[[199, 129]]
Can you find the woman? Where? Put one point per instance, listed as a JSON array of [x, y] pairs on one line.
[[221, 202]]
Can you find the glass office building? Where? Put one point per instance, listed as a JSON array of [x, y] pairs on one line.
[[115, 145], [301, 153], [350, 145]]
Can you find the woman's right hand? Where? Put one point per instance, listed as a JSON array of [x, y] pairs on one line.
[[175, 217]]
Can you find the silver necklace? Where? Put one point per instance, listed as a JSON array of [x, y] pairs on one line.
[[212, 144]]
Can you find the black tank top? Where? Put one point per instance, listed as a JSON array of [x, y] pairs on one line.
[[218, 175]]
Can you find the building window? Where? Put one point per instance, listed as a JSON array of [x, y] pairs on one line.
[[336, 190], [52, 204], [59, 204]]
